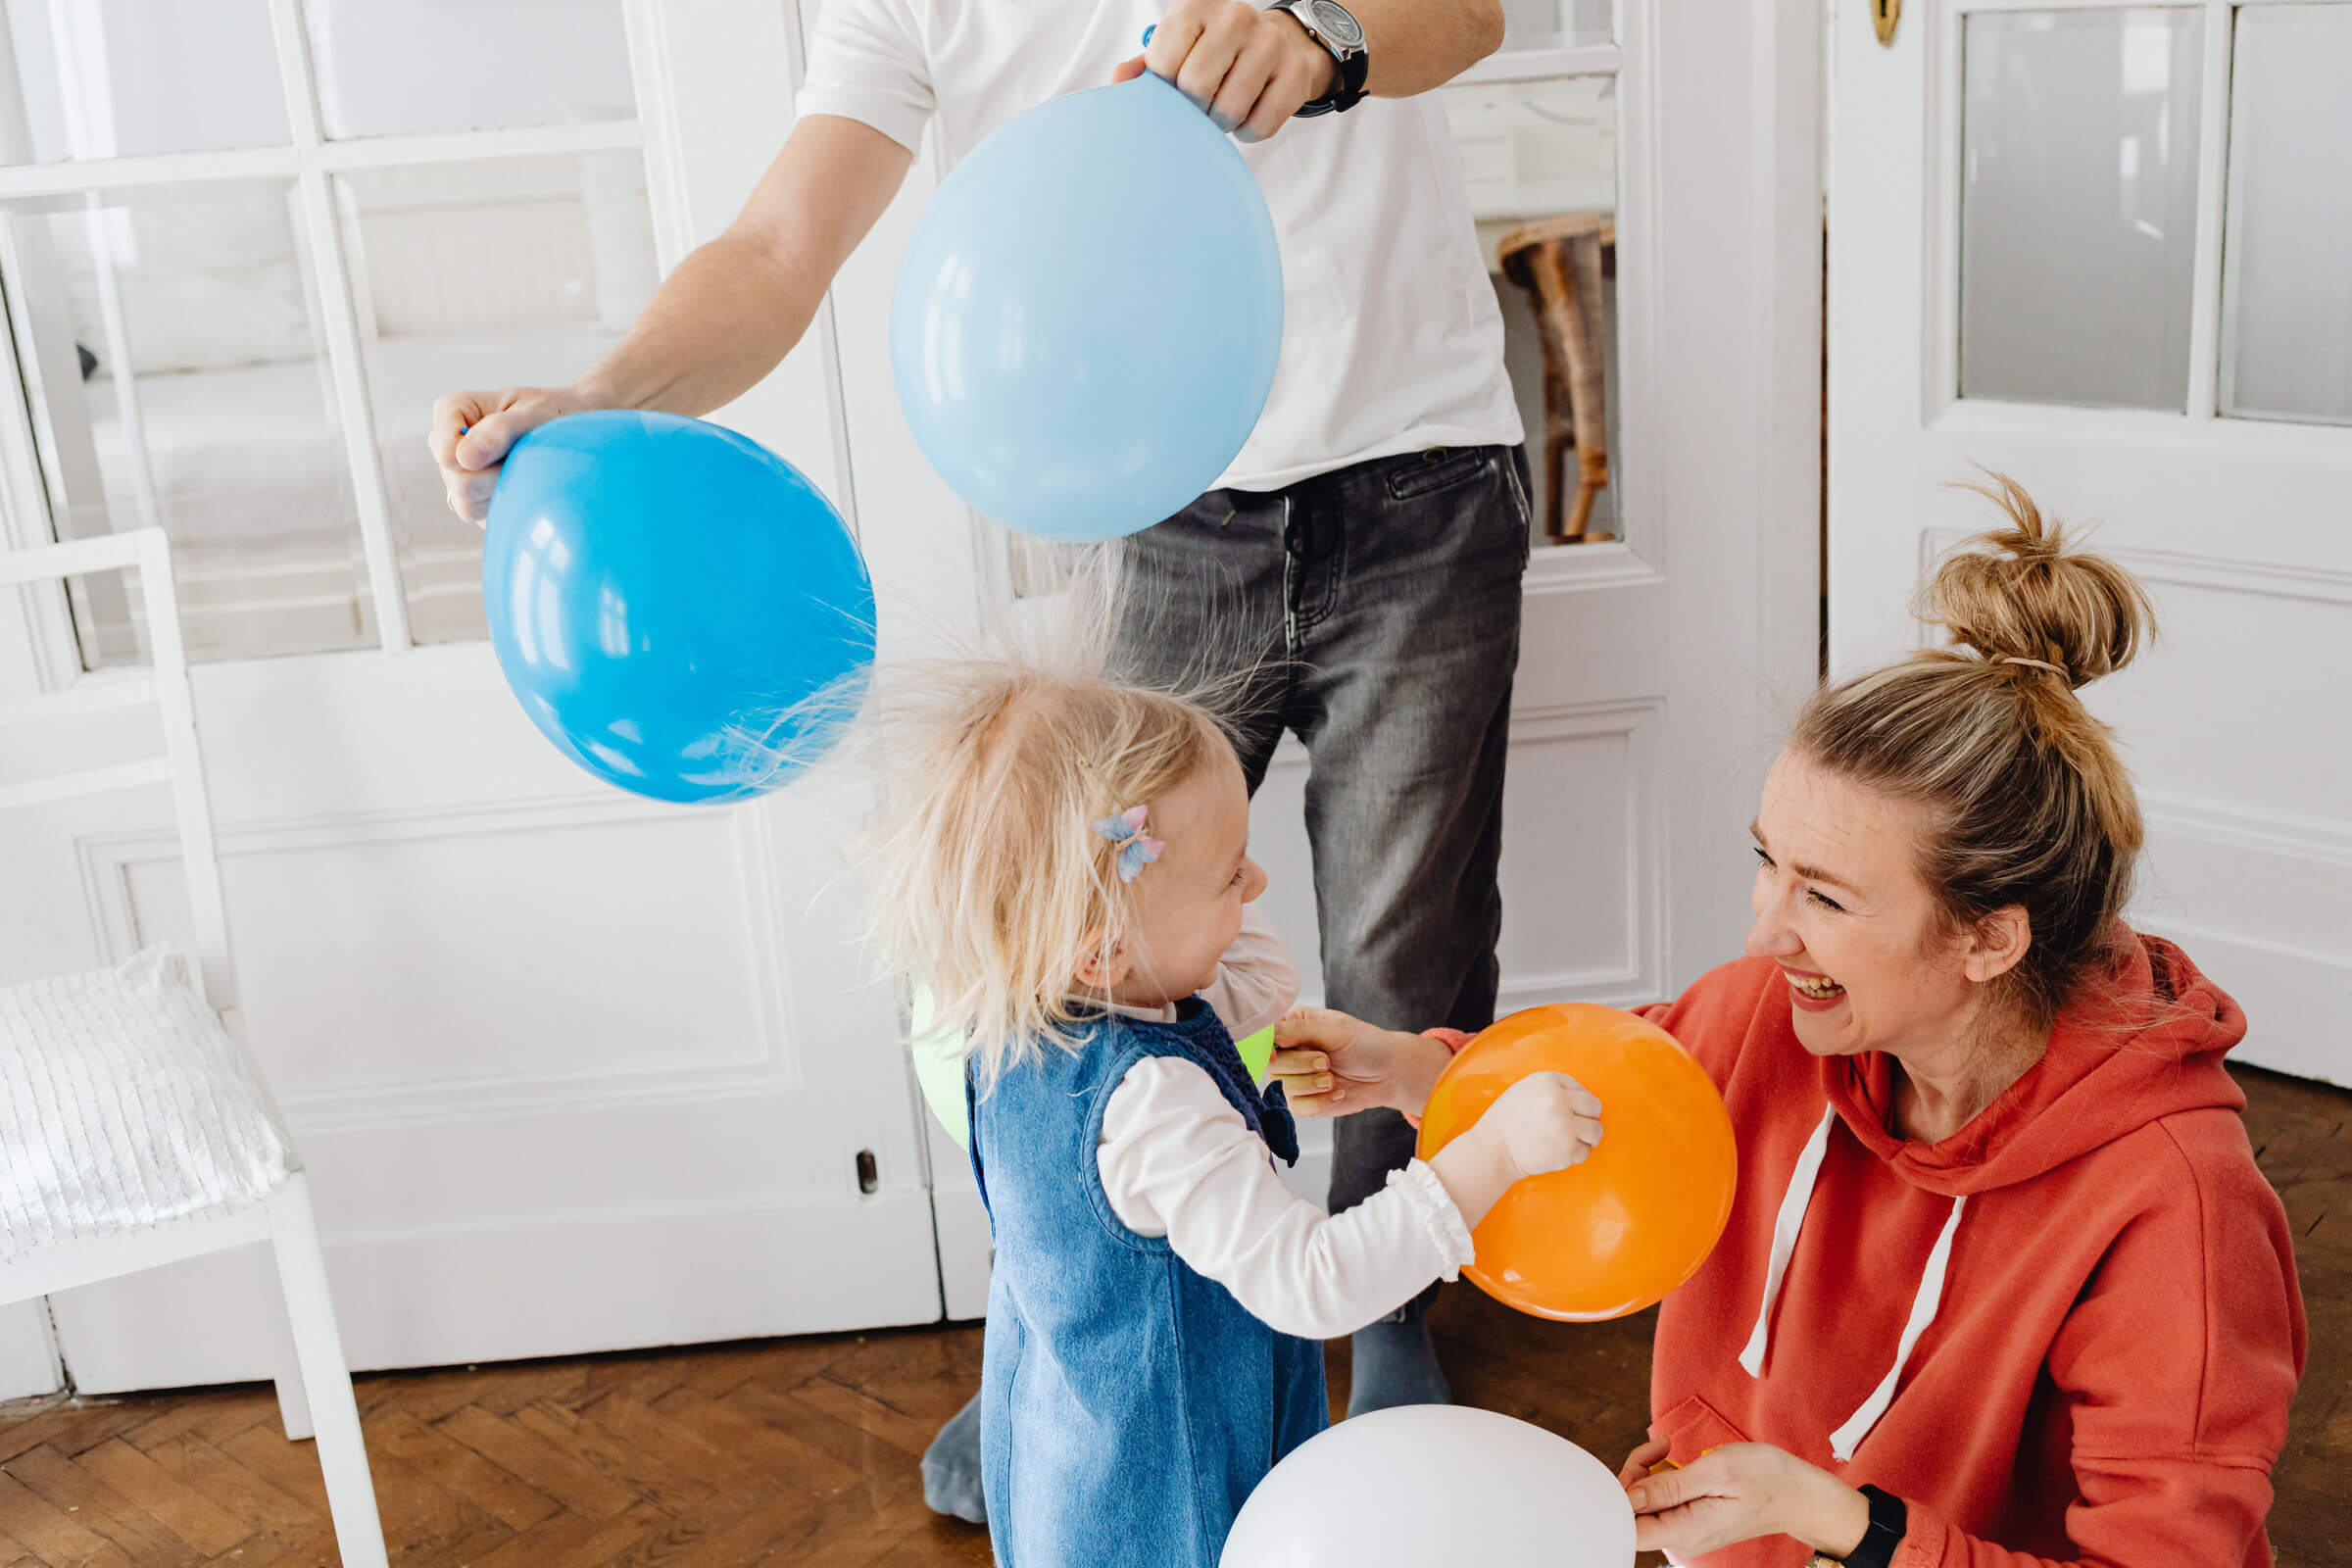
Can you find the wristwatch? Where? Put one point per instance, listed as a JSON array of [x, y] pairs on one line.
[[1334, 26], [1888, 1519]]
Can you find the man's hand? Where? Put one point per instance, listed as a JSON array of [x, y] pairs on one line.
[[472, 432], [734, 307], [1252, 69], [1330, 1064]]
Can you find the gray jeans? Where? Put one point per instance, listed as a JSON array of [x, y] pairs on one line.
[[1373, 611]]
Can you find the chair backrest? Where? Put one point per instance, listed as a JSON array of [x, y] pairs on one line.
[[163, 686]]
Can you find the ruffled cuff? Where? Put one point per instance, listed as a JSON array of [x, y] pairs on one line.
[[1427, 1196], [1452, 1040]]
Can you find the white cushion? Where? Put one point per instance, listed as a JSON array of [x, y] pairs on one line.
[[123, 1103]]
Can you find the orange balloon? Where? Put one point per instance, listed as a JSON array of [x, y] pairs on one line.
[[1615, 1234]]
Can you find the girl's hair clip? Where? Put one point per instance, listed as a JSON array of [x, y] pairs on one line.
[[1136, 848]]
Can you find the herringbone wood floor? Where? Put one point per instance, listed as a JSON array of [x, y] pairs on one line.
[[805, 1450]]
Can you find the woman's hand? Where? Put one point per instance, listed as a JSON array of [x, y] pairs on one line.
[[1738, 1493], [1639, 1463], [1330, 1064]]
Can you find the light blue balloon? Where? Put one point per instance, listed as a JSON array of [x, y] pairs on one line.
[[1088, 317], [676, 606]]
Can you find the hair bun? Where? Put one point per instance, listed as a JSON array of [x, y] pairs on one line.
[[2018, 592]]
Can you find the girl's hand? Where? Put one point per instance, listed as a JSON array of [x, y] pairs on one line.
[[1330, 1064], [1639, 1463], [1545, 1122], [1740, 1491]]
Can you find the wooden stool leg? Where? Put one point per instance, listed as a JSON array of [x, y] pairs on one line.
[[1568, 341], [1580, 516]]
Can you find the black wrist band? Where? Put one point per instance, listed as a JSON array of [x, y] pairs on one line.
[[1351, 63], [1888, 1520], [1347, 87]]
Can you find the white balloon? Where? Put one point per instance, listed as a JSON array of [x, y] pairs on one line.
[[1419, 1485]]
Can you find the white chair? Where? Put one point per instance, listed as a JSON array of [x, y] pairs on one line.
[[136, 1130]]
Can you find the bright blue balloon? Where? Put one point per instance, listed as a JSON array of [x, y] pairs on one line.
[[678, 608], [1088, 317]]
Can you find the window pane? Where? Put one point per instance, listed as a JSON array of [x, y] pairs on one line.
[[116, 78], [1554, 24], [434, 66], [2287, 327], [2078, 206], [1539, 159], [171, 350], [515, 272]]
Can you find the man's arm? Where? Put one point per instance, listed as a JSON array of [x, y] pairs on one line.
[[1251, 69], [1414, 45], [720, 323]]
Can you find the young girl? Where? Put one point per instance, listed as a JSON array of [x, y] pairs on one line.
[[1067, 875]]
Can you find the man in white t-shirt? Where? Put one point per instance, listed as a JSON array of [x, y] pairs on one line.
[[1358, 564]]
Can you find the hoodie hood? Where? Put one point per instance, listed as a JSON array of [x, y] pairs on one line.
[[2149, 1043]]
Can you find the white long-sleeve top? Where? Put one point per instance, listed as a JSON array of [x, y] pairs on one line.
[[1177, 1160]]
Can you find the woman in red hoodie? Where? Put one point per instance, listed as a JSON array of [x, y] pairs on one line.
[[2002, 1285]]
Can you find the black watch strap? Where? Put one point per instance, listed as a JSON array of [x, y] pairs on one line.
[[1888, 1520], [1348, 89]]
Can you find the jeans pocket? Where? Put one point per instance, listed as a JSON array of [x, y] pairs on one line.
[[1515, 473], [1438, 469]]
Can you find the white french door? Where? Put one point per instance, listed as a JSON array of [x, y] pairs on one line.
[[1655, 664], [570, 1070], [2100, 247]]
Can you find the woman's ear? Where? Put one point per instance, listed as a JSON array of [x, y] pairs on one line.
[[1104, 962], [1998, 944]]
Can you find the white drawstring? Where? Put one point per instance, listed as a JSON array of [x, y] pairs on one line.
[[1785, 1227], [1848, 1436], [1924, 1301]]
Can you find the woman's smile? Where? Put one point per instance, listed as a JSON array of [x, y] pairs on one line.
[[1815, 993]]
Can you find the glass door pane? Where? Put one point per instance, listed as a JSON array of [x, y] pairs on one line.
[[1540, 162], [1554, 24], [434, 66], [2078, 206], [519, 271], [79, 79], [2286, 295], [171, 350]]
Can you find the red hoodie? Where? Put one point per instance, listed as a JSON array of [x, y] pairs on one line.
[[2103, 1376]]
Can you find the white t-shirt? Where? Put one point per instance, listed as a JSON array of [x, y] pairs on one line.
[[1391, 341]]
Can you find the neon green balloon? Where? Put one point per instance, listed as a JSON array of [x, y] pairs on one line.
[[939, 1067]]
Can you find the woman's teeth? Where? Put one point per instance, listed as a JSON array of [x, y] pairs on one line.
[[1821, 987]]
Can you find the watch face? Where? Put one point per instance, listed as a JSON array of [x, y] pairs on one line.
[[1334, 21]]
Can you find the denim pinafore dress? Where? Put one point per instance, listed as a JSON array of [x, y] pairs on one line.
[[1128, 1404]]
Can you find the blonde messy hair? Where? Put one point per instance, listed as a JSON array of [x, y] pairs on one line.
[[988, 885], [2027, 801]]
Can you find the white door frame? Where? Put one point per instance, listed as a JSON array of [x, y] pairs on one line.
[[2229, 520]]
